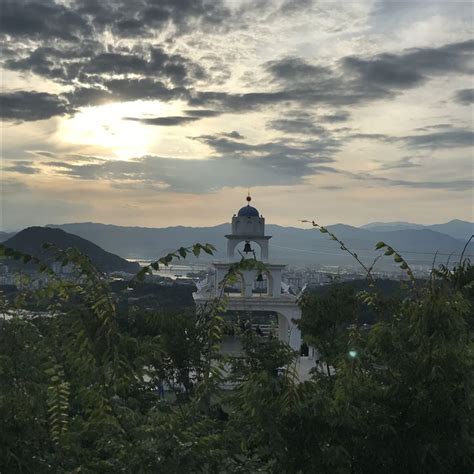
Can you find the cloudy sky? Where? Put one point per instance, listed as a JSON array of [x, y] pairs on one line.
[[164, 112]]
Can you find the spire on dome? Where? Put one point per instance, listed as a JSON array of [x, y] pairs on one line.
[[248, 210]]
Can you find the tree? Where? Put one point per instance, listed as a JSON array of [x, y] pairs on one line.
[[79, 387]]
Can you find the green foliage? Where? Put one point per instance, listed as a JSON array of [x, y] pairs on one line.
[[325, 321], [80, 388]]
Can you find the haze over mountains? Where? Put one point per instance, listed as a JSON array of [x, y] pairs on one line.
[[289, 244]]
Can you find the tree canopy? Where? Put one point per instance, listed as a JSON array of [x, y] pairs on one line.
[[81, 388]]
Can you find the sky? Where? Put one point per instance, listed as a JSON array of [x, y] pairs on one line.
[[166, 112]]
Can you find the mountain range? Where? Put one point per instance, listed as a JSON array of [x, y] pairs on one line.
[[297, 246], [455, 228], [31, 240], [289, 244]]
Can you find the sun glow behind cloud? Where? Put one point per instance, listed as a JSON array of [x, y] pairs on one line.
[[109, 128]]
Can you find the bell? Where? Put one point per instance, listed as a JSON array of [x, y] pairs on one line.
[[247, 248], [260, 277]]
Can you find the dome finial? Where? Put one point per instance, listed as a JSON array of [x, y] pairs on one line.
[[248, 196]]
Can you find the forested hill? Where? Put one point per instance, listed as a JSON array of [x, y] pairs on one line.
[[31, 241]]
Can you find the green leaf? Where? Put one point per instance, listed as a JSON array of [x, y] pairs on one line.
[[389, 251], [380, 245], [207, 248]]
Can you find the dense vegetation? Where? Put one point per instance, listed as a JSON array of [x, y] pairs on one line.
[[81, 390]]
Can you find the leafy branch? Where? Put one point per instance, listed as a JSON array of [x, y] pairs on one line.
[[390, 251], [325, 230]]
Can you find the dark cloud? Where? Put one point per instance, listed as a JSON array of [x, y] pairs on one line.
[[341, 116], [296, 70], [89, 63], [373, 136], [291, 159], [120, 90], [84, 96], [234, 134], [411, 67], [331, 188], [23, 167], [233, 162], [330, 92], [41, 153], [179, 175], [157, 63], [300, 125], [134, 89], [464, 96], [446, 139], [284, 154], [450, 138], [405, 162], [25, 106], [42, 20], [429, 128], [202, 113], [47, 19], [359, 80], [164, 121], [55, 63]]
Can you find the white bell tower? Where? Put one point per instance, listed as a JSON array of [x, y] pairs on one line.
[[248, 226]]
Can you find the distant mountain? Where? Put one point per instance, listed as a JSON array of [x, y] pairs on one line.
[[5, 236], [31, 240], [289, 244], [455, 228], [388, 226]]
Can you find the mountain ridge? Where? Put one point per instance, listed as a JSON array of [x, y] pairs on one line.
[[290, 244], [456, 228]]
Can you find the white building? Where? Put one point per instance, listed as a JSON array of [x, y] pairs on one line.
[[260, 291]]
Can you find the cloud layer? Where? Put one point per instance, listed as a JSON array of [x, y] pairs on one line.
[[220, 95]]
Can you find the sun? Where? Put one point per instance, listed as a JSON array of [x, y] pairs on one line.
[[108, 128]]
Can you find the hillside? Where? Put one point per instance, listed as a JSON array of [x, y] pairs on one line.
[[31, 240], [289, 244]]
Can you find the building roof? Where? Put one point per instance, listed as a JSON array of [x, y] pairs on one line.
[[248, 211]]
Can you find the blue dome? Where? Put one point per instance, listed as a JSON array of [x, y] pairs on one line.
[[248, 211]]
